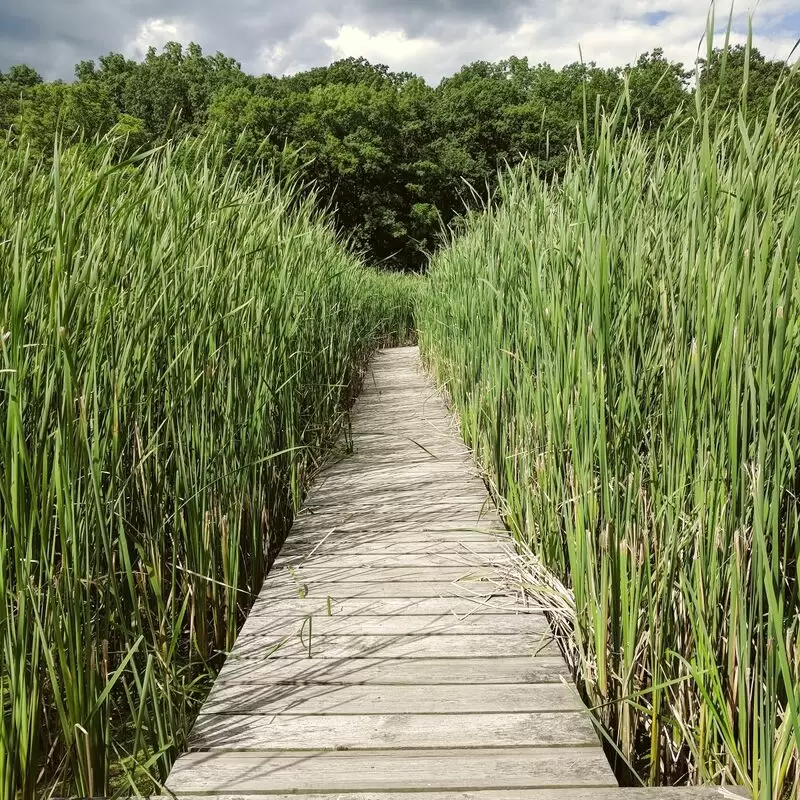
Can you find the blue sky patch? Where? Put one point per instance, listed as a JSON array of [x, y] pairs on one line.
[[655, 17]]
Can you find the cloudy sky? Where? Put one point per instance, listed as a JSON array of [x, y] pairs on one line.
[[430, 37]]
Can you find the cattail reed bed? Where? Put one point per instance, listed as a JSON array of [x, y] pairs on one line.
[[623, 349], [177, 343]]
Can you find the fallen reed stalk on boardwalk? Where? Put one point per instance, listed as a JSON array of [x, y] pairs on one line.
[[178, 341], [623, 350]]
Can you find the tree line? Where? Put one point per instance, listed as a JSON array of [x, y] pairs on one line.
[[393, 155]]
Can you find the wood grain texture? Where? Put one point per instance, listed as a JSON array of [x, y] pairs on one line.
[[390, 770], [311, 571], [397, 671], [264, 625], [388, 517], [458, 607], [345, 548], [392, 731], [274, 699], [424, 530], [286, 589], [456, 537], [297, 642], [348, 561]]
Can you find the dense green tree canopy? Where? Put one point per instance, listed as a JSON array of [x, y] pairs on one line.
[[724, 75], [394, 156]]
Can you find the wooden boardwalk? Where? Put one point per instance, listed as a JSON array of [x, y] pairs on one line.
[[390, 654]]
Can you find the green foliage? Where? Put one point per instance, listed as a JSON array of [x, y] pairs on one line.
[[623, 350], [741, 72], [73, 111], [657, 89], [350, 123], [169, 91], [20, 76], [178, 343], [394, 157]]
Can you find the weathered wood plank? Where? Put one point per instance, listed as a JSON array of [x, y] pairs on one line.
[[491, 552], [332, 540], [344, 548], [402, 452], [309, 570], [397, 671], [226, 698], [369, 495], [274, 625], [468, 536], [418, 389], [386, 516], [419, 417], [485, 526], [426, 413], [345, 529], [409, 437], [282, 590], [460, 533], [438, 555], [413, 482], [422, 450], [461, 503], [296, 643], [384, 607], [390, 473], [416, 479], [594, 793], [387, 771], [392, 731], [400, 560]]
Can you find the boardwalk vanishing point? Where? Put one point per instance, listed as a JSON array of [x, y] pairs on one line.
[[389, 655]]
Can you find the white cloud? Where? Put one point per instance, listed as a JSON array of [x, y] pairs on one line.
[[156, 33], [273, 59], [302, 49], [394, 46], [608, 33]]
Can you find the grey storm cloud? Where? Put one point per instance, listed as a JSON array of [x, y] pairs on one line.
[[422, 16], [53, 35], [285, 35]]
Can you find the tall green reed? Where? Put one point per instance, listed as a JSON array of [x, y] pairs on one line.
[[178, 344], [624, 353]]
